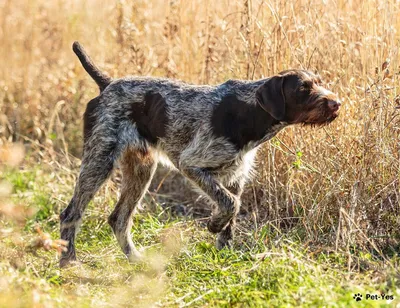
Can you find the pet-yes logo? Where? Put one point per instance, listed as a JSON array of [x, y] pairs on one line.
[[358, 297]]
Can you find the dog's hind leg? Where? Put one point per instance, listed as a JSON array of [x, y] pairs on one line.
[[138, 167], [97, 165]]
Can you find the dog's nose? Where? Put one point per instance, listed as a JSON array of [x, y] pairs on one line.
[[334, 105]]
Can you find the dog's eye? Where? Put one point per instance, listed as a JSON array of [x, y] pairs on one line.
[[305, 86]]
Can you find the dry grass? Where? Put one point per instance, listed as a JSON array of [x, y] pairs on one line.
[[341, 183]]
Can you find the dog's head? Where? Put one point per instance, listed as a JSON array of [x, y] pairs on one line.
[[296, 96]]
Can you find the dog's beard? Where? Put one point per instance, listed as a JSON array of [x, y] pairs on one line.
[[319, 116], [320, 123]]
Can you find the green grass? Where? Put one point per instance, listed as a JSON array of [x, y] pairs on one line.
[[266, 269]]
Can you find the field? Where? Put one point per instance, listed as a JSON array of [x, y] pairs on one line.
[[321, 220]]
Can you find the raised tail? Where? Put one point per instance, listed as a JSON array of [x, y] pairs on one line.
[[101, 78]]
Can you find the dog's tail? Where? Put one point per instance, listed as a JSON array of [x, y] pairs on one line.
[[101, 79]]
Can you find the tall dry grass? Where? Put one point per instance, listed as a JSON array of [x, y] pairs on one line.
[[341, 182]]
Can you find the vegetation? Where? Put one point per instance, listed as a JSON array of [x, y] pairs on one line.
[[319, 223]]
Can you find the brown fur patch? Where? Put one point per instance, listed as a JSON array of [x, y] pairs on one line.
[[240, 122], [138, 167], [150, 116], [132, 157], [89, 118]]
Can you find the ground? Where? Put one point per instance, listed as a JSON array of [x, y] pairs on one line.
[[266, 268]]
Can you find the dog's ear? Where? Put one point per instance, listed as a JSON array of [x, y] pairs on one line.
[[271, 98]]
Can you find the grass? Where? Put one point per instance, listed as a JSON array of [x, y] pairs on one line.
[[267, 268]]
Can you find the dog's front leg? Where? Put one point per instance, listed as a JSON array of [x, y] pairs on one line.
[[228, 203], [225, 237]]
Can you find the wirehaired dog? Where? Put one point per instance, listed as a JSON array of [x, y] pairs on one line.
[[210, 134]]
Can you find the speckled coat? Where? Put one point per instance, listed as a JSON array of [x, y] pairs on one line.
[[208, 133]]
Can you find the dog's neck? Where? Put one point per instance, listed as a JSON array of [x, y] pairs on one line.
[[245, 124], [276, 128], [266, 127]]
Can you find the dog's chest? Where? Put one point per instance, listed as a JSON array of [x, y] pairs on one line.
[[244, 160], [240, 166]]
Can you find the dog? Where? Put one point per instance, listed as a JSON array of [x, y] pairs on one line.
[[210, 134]]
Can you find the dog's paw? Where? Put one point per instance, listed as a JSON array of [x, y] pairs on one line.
[[67, 258], [215, 226], [135, 257], [222, 243], [68, 262]]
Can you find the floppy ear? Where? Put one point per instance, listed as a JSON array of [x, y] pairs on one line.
[[271, 98]]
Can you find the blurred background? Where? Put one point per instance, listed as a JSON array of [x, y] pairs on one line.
[[338, 184]]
